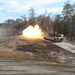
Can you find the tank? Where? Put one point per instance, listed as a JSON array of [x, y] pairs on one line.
[[55, 37]]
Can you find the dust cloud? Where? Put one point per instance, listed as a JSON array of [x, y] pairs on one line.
[[6, 31]]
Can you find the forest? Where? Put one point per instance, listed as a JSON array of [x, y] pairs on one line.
[[63, 23]]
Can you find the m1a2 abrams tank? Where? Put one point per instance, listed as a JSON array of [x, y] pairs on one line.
[[55, 37]]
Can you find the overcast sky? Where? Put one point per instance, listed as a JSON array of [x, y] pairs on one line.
[[12, 9]]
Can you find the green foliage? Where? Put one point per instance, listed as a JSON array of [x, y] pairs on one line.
[[58, 24], [68, 12]]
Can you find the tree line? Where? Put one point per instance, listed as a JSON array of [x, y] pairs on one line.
[[62, 23], [65, 23]]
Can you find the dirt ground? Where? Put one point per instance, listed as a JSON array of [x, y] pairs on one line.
[[35, 68], [20, 49], [20, 56]]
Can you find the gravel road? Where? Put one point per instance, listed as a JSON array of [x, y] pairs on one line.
[[67, 46], [8, 67]]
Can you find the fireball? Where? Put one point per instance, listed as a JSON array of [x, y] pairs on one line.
[[33, 32]]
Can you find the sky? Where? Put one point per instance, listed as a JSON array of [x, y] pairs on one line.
[[13, 9]]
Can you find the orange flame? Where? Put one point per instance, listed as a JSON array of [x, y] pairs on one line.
[[33, 32]]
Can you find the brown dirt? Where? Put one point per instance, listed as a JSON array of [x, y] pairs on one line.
[[21, 49]]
